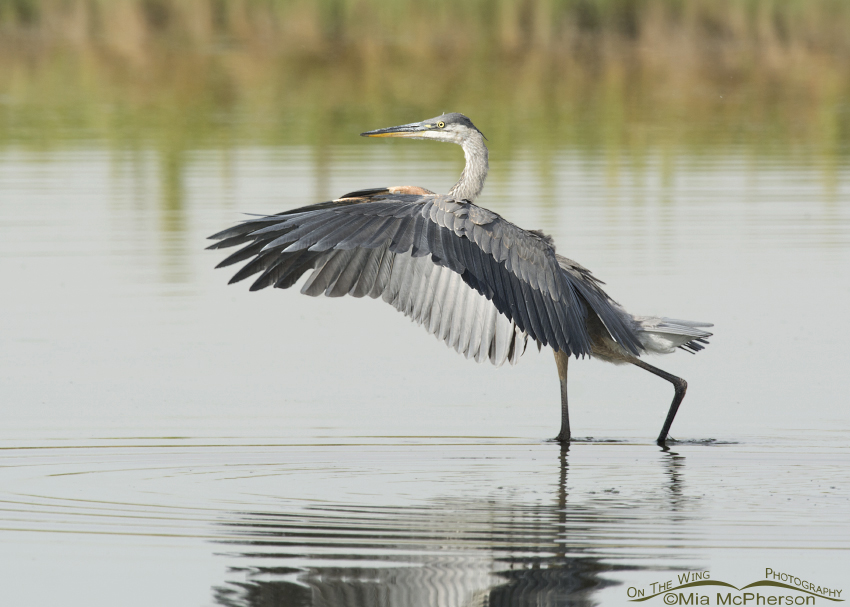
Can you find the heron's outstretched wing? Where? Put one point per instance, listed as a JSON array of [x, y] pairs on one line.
[[432, 295], [517, 271]]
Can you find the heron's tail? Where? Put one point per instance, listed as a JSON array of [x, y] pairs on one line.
[[663, 335]]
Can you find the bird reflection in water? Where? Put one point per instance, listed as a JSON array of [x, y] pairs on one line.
[[450, 552]]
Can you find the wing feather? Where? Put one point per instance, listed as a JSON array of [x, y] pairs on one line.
[[468, 314], [384, 274], [350, 275], [438, 308], [457, 318], [288, 273], [469, 255], [369, 275], [402, 240], [375, 225], [534, 318], [323, 279]]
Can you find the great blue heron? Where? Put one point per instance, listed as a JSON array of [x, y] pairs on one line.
[[473, 279]]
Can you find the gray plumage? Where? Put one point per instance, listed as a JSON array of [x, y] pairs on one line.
[[473, 279]]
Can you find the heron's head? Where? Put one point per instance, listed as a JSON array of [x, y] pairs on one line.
[[453, 127]]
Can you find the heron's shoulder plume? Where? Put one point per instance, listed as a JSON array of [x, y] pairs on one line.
[[374, 193]]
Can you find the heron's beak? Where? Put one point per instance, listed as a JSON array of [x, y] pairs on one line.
[[405, 130]]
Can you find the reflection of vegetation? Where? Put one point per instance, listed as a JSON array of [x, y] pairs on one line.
[[611, 73]]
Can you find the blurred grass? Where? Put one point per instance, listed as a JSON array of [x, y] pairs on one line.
[[607, 74]]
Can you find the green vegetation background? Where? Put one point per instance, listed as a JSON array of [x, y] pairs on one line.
[[611, 74]]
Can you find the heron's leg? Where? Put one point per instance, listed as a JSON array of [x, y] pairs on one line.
[[679, 385], [562, 359]]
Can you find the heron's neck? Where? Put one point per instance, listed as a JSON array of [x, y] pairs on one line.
[[471, 181]]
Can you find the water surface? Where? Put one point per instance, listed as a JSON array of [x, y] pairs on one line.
[[172, 440]]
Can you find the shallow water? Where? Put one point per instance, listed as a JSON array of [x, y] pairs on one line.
[[172, 440]]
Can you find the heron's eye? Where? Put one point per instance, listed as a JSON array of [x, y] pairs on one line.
[[441, 124]]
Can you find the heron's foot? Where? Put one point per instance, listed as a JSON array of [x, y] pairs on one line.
[[705, 442], [664, 440], [563, 437]]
